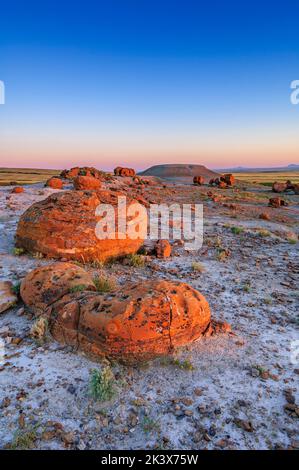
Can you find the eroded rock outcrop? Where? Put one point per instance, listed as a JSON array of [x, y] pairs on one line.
[[120, 171], [223, 181], [131, 323], [81, 171], [64, 226]]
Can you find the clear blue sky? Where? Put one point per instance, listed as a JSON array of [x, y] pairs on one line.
[[145, 82]]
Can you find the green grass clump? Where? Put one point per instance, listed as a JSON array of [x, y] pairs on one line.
[[237, 230], [184, 364], [135, 260], [104, 284], [18, 251], [24, 438], [102, 384], [78, 288], [16, 288], [149, 424], [292, 241]]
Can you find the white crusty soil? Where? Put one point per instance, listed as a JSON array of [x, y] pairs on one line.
[[160, 405]]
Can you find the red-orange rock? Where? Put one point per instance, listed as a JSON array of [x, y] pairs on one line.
[[120, 171], [279, 187], [199, 180], [86, 182], [222, 185], [163, 249], [264, 216], [17, 190], [63, 226], [229, 179], [277, 202], [139, 322], [55, 183], [44, 286], [82, 171]]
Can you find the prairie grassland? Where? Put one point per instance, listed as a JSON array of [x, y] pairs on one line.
[[267, 178], [22, 176]]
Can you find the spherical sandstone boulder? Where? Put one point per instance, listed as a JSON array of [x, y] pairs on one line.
[[64, 226], [86, 182], [17, 190], [55, 183], [138, 322], [199, 180], [277, 202], [43, 286], [163, 249], [120, 171]]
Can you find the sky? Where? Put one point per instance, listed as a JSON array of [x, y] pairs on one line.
[[138, 83]]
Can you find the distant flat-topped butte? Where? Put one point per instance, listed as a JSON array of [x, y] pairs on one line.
[[180, 172]]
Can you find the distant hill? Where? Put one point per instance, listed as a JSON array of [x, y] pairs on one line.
[[179, 172], [241, 169]]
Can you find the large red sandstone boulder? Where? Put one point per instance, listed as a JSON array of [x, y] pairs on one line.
[[137, 322], [63, 226], [134, 323], [44, 286], [55, 183], [163, 249], [199, 180], [86, 182]]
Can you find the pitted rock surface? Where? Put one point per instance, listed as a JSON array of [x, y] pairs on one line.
[[64, 226]]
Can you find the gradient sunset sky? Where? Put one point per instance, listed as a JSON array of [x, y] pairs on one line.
[[121, 82]]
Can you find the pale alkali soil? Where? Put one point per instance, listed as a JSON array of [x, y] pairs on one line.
[[160, 405]]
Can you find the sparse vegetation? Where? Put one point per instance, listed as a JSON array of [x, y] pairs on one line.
[[135, 260], [264, 233], [78, 288], [222, 254], [104, 284], [292, 241], [18, 251], [24, 438], [16, 288], [150, 425], [40, 329], [198, 267], [237, 230], [184, 364], [102, 384]]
